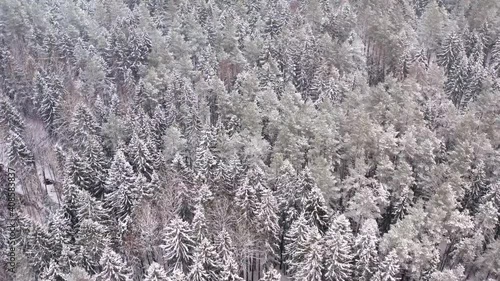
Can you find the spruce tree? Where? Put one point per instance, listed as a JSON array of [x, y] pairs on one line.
[[82, 125], [267, 222], [246, 200], [113, 267], [197, 271], [300, 237], [18, 151], [121, 174], [48, 96], [388, 270], [199, 223], [311, 268], [80, 172], [99, 164], [10, 117], [37, 247], [210, 261], [91, 239], [88, 207], [271, 275], [337, 251], [59, 231], [315, 209], [53, 273], [177, 275], [205, 161], [450, 52], [140, 156], [178, 244], [230, 270], [224, 245], [155, 272], [365, 247]]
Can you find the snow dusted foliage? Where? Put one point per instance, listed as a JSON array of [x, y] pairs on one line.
[[177, 275], [18, 152], [271, 275], [267, 222], [311, 268], [178, 244], [243, 140], [365, 251], [53, 272], [156, 272], [11, 118], [197, 271], [297, 241], [449, 274], [388, 270], [207, 255], [224, 245], [337, 250], [230, 271], [246, 200], [121, 174], [114, 268]]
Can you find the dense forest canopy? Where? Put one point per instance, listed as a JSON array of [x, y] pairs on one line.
[[219, 140]]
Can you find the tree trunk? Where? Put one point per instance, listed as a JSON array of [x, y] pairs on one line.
[[258, 267], [247, 268], [252, 265]]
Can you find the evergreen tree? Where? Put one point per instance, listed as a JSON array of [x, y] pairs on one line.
[[315, 209], [267, 222], [271, 275], [178, 244], [177, 275], [311, 269], [10, 117], [140, 156], [209, 259], [198, 271], [38, 250], [122, 188], [224, 245], [53, 273], [88, 207], [337, 250], [48, 97], [120, 173], [246, 200], [18, 152], [98, 163], [450, 52], [155, 272], [121, 200], [456, 84], [80, 172], [388, 270], [300, 238], [449, 274], [184, 194], [83, 125], [113, 267], [92, 238], [366, 254], [59, 231], [199, 223], [205, 160], [230, 270]]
